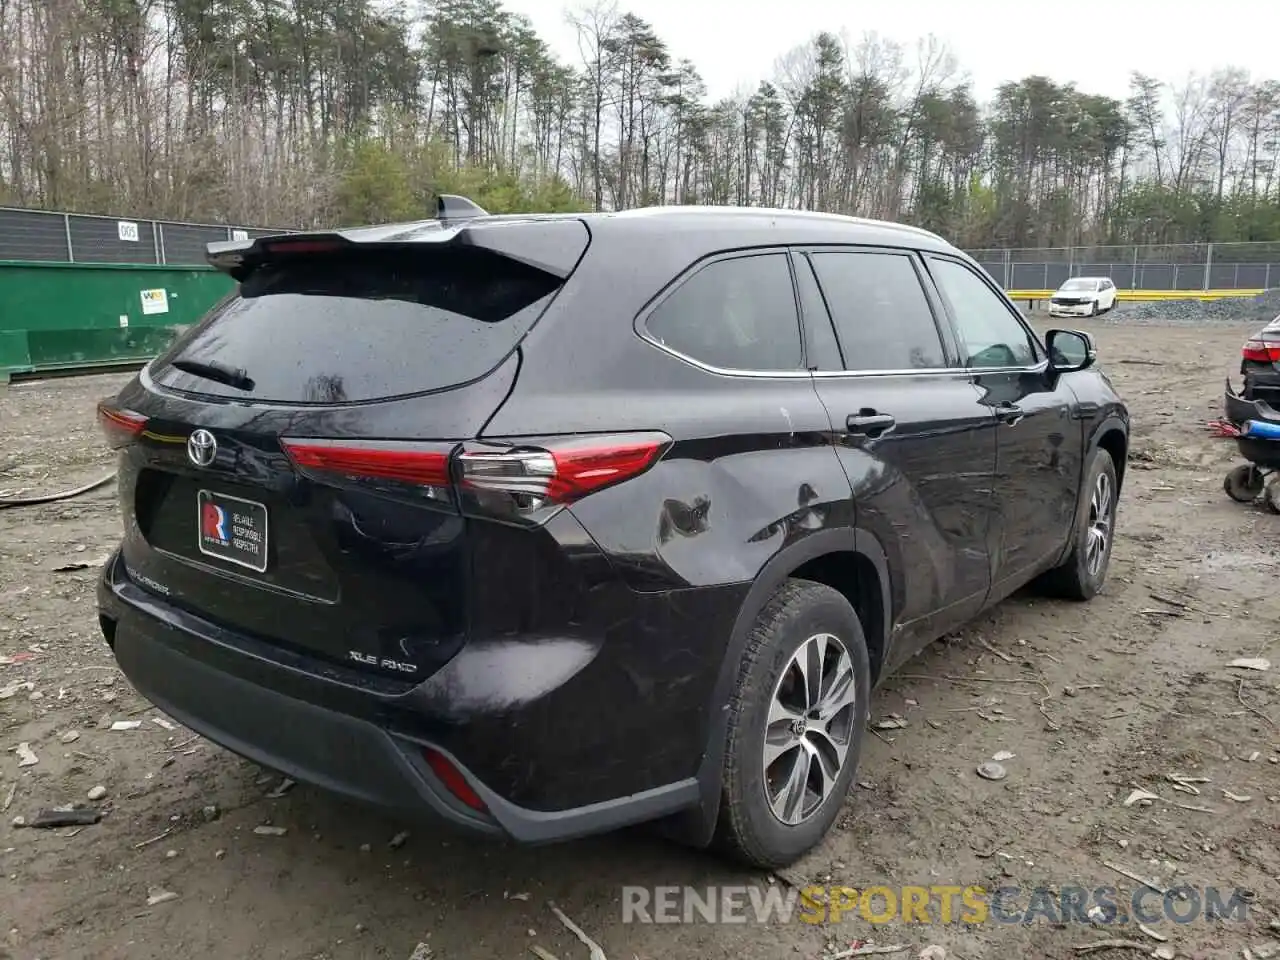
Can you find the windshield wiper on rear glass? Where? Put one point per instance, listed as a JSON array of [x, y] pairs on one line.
[[217, 372]]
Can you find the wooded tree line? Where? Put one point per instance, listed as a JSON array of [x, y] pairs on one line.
[[316, 112]]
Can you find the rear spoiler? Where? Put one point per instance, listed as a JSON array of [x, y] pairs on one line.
[[239, 258]]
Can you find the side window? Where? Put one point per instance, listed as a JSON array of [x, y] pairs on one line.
[[881, 313], [737, 314], [990, 335]]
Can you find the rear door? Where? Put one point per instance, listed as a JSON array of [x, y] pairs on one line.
[[1039, 456], [292, 481], [915, 439]]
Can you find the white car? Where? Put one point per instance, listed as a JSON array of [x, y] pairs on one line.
[[1083, 297]]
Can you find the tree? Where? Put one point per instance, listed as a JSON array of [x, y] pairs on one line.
[[316, 112]]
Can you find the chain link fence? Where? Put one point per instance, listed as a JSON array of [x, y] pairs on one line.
[[1174, 266], [79, 238]]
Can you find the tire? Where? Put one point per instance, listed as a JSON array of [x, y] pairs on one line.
[[1244, 483], [1093, 308], [794, 620], [1079, 577]]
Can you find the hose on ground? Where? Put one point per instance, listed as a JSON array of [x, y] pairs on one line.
[[6, 502]]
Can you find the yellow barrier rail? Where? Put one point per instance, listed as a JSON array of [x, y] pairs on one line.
[[1147, 295]]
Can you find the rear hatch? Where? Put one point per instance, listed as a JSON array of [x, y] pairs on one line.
[[286, 464]]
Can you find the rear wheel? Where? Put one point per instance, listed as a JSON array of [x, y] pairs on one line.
[[1243, 483], [795, 726], [1083, 573]]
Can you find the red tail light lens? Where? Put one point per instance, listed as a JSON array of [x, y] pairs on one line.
[[516, 481], [523, 479], [453, 780], [120, 427], [417, 464], [1262, 351]]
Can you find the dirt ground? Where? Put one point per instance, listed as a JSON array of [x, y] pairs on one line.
[[1137, 687]]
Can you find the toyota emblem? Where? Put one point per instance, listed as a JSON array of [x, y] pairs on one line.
[[201, 447]]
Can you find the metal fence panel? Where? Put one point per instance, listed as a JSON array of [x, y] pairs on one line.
[[993, 267], [185, 242], [100, 240], [47, 236], [41, 235], [32, 235]]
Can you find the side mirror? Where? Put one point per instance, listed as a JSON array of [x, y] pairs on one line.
[[1070, 350]]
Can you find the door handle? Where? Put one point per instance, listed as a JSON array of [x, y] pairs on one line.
[[869, 423], [1009, 413]]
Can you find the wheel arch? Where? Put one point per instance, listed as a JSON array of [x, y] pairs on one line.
[[1112, 435], [845, 559]]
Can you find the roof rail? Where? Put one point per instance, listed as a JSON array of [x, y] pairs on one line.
[[450, 207]]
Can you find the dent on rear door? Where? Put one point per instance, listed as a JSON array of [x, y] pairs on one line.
[[751, 472]]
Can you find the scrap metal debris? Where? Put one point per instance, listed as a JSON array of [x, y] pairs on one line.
[[1250, 663], [990, 770], [1144, 797], [156, 839], [15, 688], [64, 817], [121, 725], [265, 830], [1112, 945], [869, 950], [1130, 875], [593, 948], [892, 722], [284, 787], [1186, 784], [157, 895], [26, 756]]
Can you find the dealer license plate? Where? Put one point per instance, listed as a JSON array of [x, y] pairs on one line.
[[232, 529]]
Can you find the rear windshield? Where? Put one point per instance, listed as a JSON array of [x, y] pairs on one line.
[[349, 327]]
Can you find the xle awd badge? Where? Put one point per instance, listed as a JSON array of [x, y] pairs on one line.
[[201, 447], [382, 662]]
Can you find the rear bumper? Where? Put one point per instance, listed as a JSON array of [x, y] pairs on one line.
[[327, 732]]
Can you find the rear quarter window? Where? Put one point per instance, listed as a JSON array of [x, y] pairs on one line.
[[368, 325], [734, 314]]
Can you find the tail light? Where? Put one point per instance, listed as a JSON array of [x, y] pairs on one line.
[[515, 480], [520, 480], [121, 427], [424, 466], [1262, 351]]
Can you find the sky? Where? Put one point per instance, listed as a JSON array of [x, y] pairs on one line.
[[1092, 43]]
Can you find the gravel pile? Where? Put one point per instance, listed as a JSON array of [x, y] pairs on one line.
[[1260, 309]]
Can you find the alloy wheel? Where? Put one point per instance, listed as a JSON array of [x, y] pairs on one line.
[[810, 728], [1101, 515]]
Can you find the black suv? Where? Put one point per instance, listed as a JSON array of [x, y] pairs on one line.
[[552, 524]]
